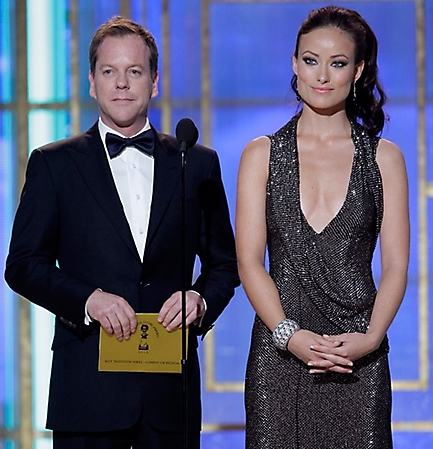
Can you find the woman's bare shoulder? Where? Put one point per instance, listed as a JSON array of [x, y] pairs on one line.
[[390, 160], [257, 149], [388, 152]]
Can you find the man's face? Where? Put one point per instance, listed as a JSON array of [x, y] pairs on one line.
[[122, 84]]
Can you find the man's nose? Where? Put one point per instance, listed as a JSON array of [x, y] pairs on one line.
[[122, 81]]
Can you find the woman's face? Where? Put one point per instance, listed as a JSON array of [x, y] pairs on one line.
[[326, 68]]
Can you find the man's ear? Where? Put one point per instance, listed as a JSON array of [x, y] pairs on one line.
[[155, 90], [92, 89]]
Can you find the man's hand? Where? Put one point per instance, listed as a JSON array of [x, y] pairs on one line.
[[113, 312], [170, 315]]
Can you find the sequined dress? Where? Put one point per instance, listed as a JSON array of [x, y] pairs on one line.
[[326, 285]]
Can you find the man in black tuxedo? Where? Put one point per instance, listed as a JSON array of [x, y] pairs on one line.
[[97, 238]]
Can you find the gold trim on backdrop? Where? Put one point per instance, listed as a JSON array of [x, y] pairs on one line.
[[205, 97], [423, 193], [125, 8], [423, 241], [210, 428], [25, 370], [166, 81], [75, 71], [6, 434], [309, 1], [21, 91], [416, 426], [425, 190]]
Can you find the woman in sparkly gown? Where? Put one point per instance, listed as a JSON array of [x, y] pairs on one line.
[[317, 194]]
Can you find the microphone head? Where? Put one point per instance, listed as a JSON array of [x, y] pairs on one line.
[[187, 132]]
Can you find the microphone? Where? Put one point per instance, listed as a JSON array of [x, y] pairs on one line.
[[186, 134]]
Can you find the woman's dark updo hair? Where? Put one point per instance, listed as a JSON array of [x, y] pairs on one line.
[[370, 96]]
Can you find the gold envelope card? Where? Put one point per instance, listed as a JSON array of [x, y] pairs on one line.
[[150, 349]]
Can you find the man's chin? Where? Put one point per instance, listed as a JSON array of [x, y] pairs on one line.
[[124, 126]]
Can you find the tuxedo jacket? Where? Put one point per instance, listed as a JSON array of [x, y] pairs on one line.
[[71, 236]]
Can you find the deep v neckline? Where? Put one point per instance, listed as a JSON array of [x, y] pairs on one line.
[[346, 197]]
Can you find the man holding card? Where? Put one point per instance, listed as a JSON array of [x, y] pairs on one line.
[[97, 238]]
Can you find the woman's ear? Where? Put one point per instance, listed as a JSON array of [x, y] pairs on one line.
[[295, 64], [358, 71]]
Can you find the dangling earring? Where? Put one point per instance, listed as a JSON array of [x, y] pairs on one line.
[[298, 97], [354, 91]]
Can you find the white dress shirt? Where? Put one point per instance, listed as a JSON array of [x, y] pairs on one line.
[[133, 175]]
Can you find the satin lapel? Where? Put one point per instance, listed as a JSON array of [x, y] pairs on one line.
[[166, 181], [91, 161]]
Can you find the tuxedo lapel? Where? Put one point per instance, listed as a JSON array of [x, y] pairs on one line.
[[91, 161], [166, 180]]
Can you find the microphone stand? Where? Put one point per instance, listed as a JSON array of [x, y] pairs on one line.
[[187, 135], [184, 364]]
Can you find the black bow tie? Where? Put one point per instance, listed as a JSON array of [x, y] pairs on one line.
[[116, 144]]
